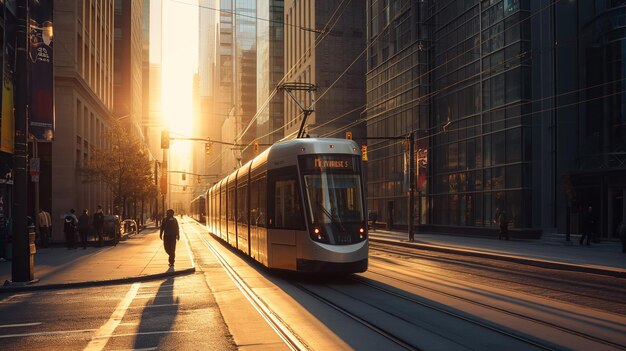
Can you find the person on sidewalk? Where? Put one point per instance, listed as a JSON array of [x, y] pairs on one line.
[[169, 234], [69, 228], [588, 223], [45, 222], [98, 224], [621, 230], [83, 227], [504, 226]]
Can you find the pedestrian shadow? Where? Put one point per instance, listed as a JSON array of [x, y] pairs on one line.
[[158, 317]]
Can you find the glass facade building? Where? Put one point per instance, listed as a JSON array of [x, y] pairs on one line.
[[270, 62], [517, 105]]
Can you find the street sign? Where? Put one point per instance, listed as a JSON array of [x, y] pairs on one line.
[[34, 167]]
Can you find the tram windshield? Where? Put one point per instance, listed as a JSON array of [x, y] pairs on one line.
[[334, 198]]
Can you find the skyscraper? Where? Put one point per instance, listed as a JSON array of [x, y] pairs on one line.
[[516, 103], [322, 40], [83, 101]]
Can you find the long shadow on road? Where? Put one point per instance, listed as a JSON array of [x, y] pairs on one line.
[[158, 317]]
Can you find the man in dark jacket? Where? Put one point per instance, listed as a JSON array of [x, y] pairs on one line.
[[98, 223], [83, 227], [69, 228], [169, 234], [588, 224]]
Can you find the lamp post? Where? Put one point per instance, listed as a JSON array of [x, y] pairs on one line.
[[22, 265]]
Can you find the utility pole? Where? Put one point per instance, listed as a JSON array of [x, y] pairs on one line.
[[411, 195], [22, 265]]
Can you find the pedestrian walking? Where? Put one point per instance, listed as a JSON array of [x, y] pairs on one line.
[[504, 226], [98, 224], [83, 227], [45, 224], [588, 223], [621, 230], [170, 234], [69, 228]]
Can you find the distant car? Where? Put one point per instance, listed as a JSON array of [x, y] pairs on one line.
[[112, 228]]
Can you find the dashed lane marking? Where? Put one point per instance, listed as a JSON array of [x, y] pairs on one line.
[[57, 332], [148, 333], [19, 325], [102, 335], [150, 306]]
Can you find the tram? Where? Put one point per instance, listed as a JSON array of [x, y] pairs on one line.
[[297, 206], [198, 209]]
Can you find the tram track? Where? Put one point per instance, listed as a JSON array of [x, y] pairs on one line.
[[342, 298], [284, 331], [289, 336], [482, 305], [377, 329], [504, 275]]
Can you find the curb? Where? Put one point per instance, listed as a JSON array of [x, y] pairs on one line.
[[611, 272], [95, 283]]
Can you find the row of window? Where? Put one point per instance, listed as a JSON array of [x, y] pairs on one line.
[[246, 204]]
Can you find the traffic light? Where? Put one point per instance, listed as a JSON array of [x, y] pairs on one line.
[[364, 152], [184, 176], [207, 148], [165, 139], [349, 135], [256, 147]]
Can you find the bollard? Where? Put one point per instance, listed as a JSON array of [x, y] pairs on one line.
[[32, 250]]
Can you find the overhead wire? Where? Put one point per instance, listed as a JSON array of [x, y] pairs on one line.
[[442, 64]]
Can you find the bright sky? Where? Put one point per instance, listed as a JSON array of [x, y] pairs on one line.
[[179, 47], [179, 62]]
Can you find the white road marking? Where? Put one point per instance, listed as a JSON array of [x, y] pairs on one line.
[[19, 325], [100, 338], [8, 299], [58, 332], [150, 306], [148, 333]]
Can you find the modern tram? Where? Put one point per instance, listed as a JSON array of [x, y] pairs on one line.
[[198, 209], [297, 206]]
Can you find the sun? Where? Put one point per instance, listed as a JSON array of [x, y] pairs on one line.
[[179, 47]]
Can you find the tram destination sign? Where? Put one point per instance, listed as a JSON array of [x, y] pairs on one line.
[[316, 163]]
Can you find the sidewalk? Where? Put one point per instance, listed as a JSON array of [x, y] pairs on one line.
[[605, 258], [139, 257]]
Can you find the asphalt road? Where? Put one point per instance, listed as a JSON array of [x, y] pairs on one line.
[[173, 314]]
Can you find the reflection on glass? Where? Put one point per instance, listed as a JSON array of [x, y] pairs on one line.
[[334, 198]]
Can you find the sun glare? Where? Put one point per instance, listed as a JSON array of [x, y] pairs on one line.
[[179, 61]]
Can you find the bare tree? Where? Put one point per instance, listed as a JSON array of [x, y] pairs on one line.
[[124, 166]]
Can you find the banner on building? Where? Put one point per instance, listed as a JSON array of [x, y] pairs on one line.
[[40, 68], [421, 157], [7, 117]]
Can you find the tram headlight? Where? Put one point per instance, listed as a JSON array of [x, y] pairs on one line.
[[361, 232], [317, 234]]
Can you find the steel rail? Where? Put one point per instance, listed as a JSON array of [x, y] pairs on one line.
[[281, 328], [476, 322]]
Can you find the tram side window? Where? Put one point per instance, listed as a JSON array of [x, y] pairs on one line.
[[242, 208], [258, 210], [287, 205], [231, 204]]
